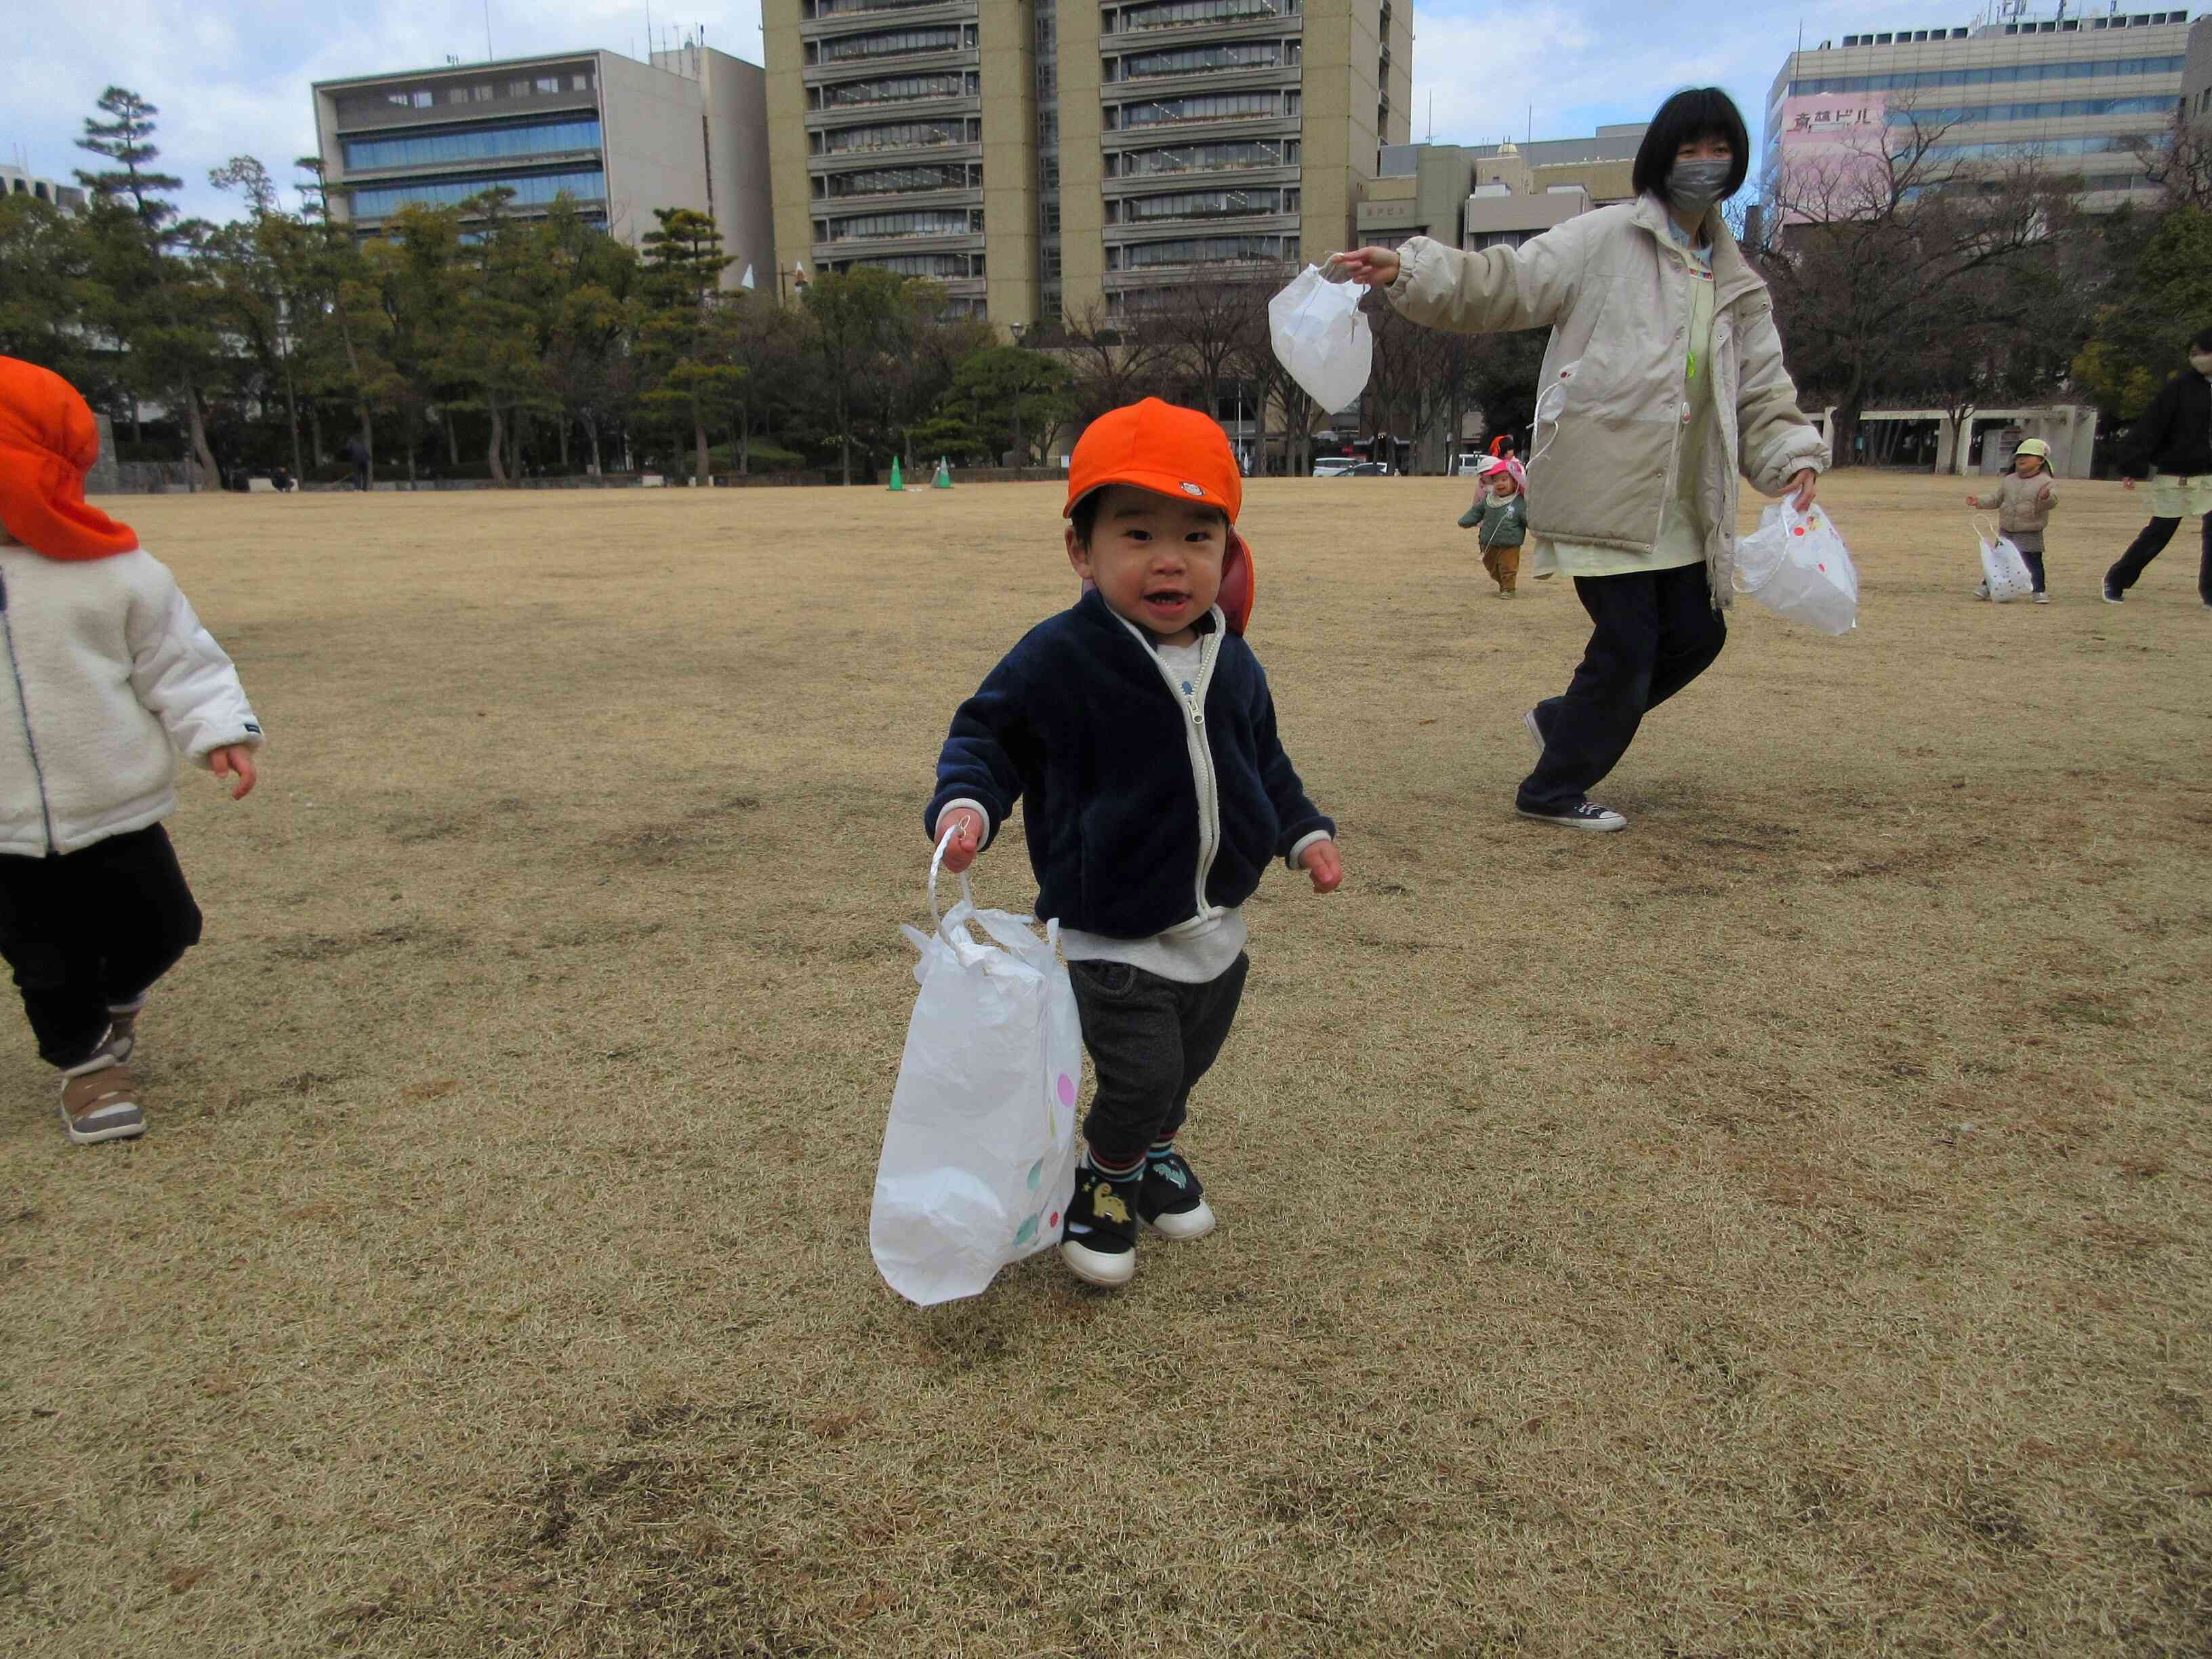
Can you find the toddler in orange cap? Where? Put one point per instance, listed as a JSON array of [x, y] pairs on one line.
[[111, 678], [1138, 730]]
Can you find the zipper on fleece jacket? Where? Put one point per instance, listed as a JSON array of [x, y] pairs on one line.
[[1201, 752], [23, 702]]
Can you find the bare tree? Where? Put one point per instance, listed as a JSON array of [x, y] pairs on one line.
[[1866, 237], [1114, 360], [2180, 161]]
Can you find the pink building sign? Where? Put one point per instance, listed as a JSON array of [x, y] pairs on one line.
[[1832, 148]]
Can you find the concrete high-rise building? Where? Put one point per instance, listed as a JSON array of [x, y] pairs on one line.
[[15, 181], [2076, 88], [687, 129], [1479, 196], [1054, 158]]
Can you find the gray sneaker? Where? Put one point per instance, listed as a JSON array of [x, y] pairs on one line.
[[100, 1102], [123, 1030]]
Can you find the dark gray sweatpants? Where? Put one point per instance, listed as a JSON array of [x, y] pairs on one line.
[[1150, 1039]]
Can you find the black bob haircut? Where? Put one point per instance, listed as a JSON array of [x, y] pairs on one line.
[[2202, 342], [1692, 113]]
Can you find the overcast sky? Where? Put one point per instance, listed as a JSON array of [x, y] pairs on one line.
[[233, 78]]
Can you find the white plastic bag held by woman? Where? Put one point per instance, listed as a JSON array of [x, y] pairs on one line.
[[979, 1155], [1797, 566], [1320, 338]]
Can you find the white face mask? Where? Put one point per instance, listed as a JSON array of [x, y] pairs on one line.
[[2201, 362]]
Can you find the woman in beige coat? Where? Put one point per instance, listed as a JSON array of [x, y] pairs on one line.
[[1662, 383]]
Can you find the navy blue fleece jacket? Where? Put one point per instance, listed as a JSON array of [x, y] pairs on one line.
[[1079, 723]]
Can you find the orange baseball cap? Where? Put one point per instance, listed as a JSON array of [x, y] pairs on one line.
[[1169, 451], [48, 442]]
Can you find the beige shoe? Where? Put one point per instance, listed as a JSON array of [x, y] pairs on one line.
[[100, 1102]]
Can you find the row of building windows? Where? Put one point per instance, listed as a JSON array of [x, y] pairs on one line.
[[899, 181], [2054, 26], [897, 135], [896, 89], [530, 190], [810, 9], [1260, 104], [891, 43], [884, 226], [1200, 251], [439, 147], [1201, 60], [1201, 204], [1192, 14], [2056, 109], [943, 266], [481, 92], [1985, 75], [2100, 145], [1223, 157]]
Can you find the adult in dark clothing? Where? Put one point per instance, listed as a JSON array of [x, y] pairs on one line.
[[356, 452], [2171, 446]]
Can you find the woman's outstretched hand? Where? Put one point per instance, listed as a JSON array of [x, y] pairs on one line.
[[1371, 267]]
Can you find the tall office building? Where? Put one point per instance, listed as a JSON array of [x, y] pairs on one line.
[[2074, 89], [1065, 155], [620, 137]]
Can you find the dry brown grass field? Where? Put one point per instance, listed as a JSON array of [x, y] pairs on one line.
[[1780, 1229]]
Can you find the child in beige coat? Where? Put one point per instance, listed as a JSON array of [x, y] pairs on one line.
[[2023, 504]]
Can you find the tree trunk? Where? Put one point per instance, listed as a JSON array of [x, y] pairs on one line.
[[368, 442], [699, 443], [314, 435], [744, 441], [292, 418], [498, 444], [137, 423], [514, 434], [592, 431], [844, 441], [413, 427], [564, 441], [200, 450], [452, 438]]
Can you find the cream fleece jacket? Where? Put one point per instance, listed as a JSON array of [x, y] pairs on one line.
[[110, 678]]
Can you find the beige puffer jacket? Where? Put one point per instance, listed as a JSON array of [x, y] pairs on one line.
[[1618, 307], [2023, 505]]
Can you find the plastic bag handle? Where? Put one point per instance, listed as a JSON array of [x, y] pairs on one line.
[[1990, 536], [936, 862]]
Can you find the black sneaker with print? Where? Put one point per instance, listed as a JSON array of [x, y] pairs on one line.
[[1171, 1201], [1099, 1243]]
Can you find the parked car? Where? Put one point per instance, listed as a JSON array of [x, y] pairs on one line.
[[1334, 466]]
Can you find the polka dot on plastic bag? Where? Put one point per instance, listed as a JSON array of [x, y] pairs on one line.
[[1066, 1090]]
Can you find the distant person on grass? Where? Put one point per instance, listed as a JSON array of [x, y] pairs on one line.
[[2024, 501], [1662, 381], [2171, 444], [112, 677], [1500, 522], [1139, 729], [356, 452]]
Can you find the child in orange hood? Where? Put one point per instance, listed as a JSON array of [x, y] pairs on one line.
[[111, 678]]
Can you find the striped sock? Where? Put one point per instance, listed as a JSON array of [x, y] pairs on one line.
[[1162, 1148], [1114, 1171]]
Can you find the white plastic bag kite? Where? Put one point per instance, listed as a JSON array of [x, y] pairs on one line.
[[1797, 566], [1320, 338], [2002, 568], [979, 1155]]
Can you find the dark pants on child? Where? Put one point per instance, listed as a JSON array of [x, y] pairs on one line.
[[1655, 632], [1150, 1039], [2148, 543], [92, 930]]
